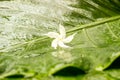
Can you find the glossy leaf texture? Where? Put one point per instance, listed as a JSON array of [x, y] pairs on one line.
[[26, 54]]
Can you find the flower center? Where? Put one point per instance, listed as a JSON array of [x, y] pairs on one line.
[[60, 39]]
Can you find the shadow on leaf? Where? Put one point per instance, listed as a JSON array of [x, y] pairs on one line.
[[69, 71], [115, 64]]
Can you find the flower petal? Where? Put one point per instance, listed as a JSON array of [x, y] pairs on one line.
[[61, 44], [54, 43], [52, 34], [62, 31], [69, 38]]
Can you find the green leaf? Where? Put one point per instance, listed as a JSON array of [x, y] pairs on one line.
[[26, 52]]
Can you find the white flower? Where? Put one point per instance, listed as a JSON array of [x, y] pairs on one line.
[[60, 38]]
